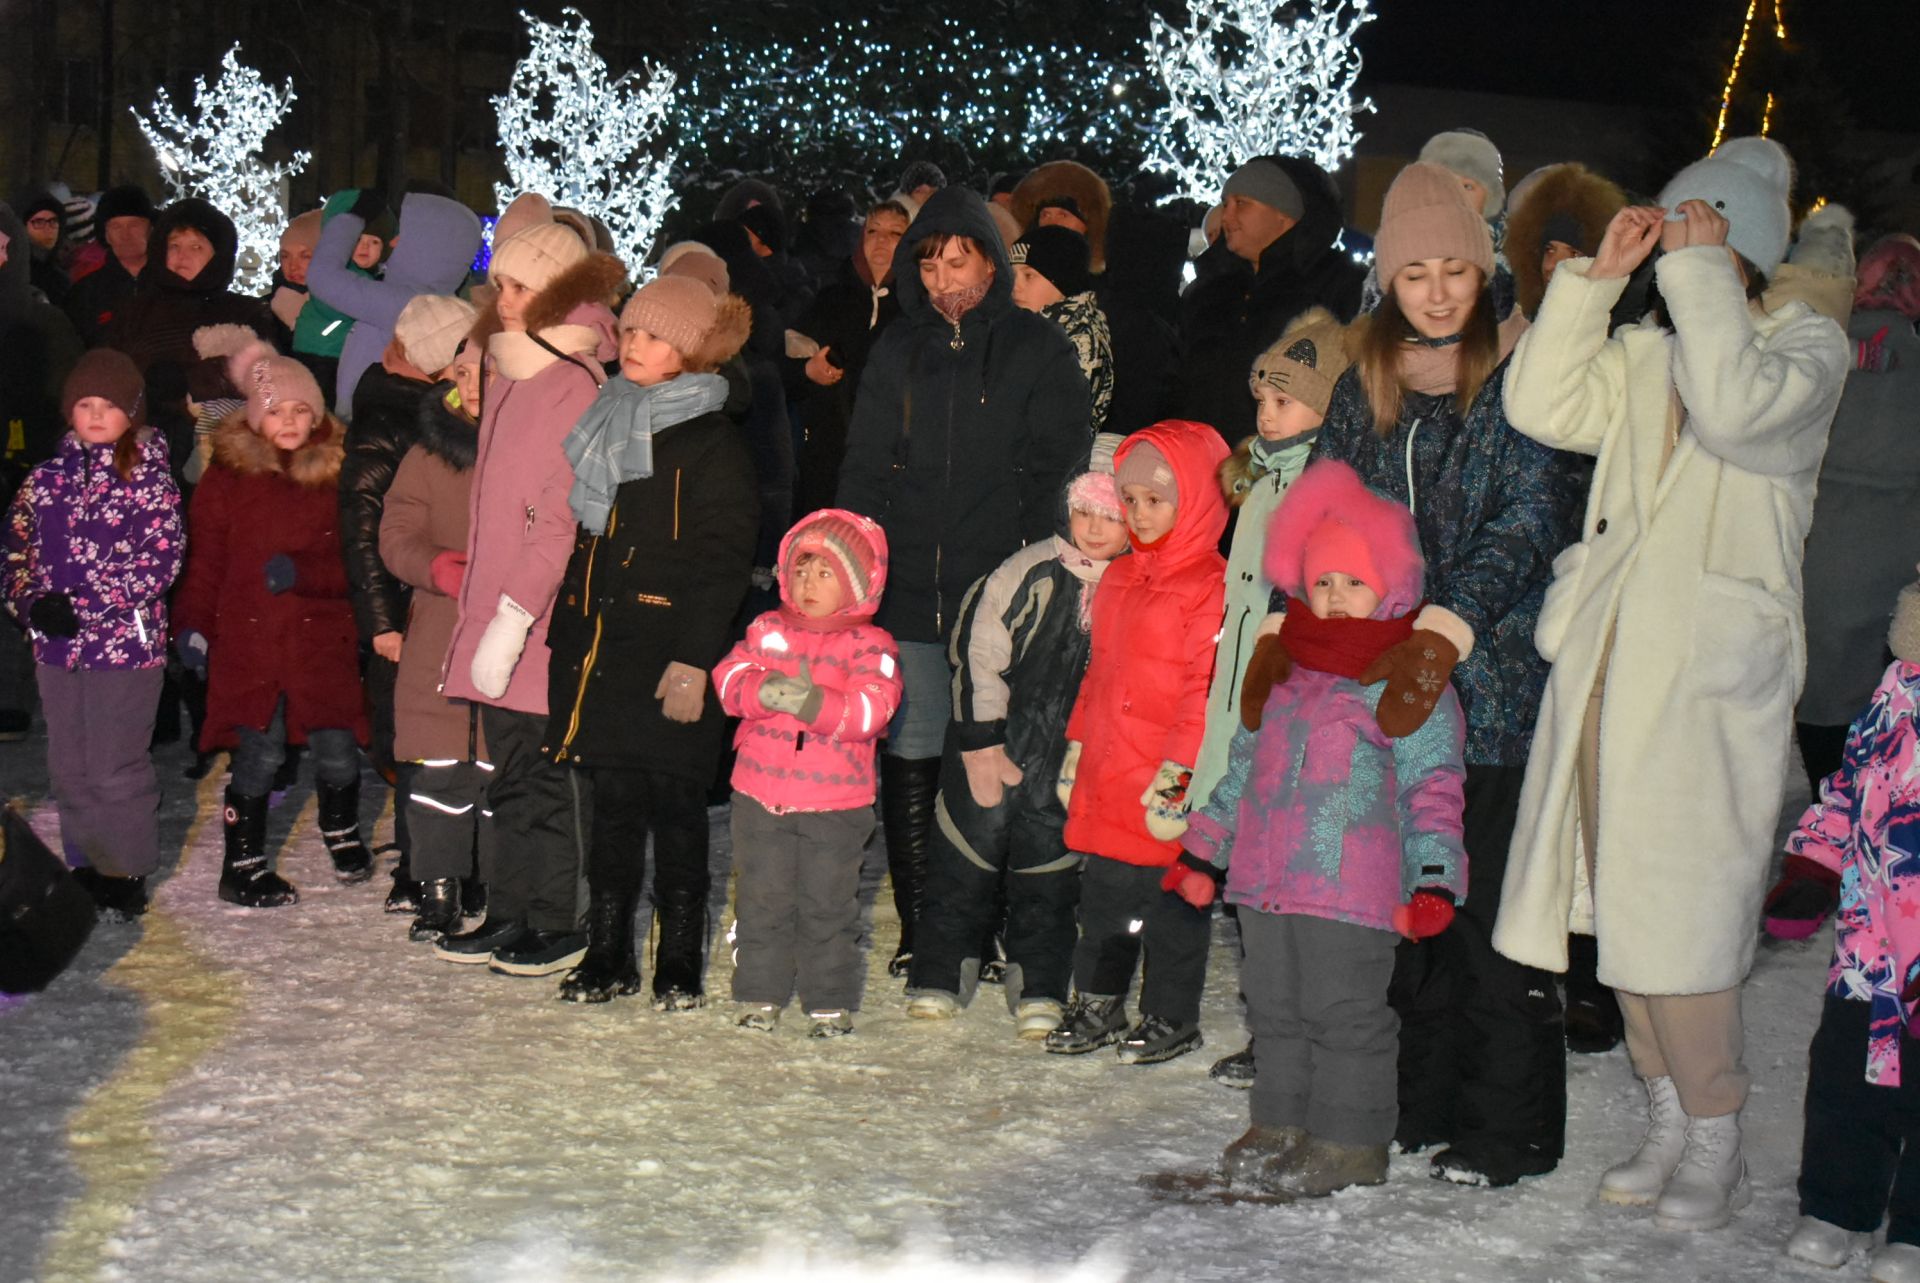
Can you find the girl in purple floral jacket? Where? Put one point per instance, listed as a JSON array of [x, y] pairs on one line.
[[92, 543]]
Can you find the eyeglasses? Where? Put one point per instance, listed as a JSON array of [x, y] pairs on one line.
[[43, 221]]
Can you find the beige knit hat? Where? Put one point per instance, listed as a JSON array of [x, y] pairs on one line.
[[302, 230], [1426, 215], [430, 329], [693, 259], [1903, 638], [678, 309], [527, 210], [536, 256], [267, 379], [1306, 361]]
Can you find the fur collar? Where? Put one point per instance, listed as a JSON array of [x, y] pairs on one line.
[[594, 279], [238, 448], [444, 434]]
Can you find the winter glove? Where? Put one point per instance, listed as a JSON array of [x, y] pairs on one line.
[[52, 616], [192, 649], [369, 205], [1269, 666], [990, 773], [1069, 771], [1166, 801], [682, 692], [1196, 886], [1416, 673], [1873, 355], [499, 648], [448, 572], [1426, 915], [796, 696], [1806, 893], [281, 574]]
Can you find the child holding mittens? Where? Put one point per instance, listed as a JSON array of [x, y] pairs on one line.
[[1336, 839], [814, 685], [92, 543]]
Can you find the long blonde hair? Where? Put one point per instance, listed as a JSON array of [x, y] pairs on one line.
[[1383, 337]]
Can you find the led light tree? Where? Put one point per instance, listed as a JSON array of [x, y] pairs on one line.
[[1248, 78], [582, 138], [215, 155]]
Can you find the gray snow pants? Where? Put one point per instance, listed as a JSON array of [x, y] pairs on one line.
[[797, 905], [99, 723], [448, 820], [1325, 1038]]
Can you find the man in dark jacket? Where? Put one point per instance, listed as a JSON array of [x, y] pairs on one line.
[[1281, 217], [122, 222], [969, 414]]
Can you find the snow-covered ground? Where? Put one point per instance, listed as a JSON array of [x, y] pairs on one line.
[[302, 1094]]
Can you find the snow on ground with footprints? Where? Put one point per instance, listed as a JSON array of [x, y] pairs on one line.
[[223, 1094]]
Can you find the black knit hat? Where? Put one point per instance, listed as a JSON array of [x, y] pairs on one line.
[[1058, 253], [765, 222], [122, 202]]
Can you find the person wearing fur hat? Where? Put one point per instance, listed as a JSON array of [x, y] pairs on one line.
[[92, 543], [1860, 1154], [1674, 630], [663, 491], [1561, 214], [1019, 650], [434, 243], [438, 740], [548, 338], [1131, 742], [123, 220], [814, 685], [969, 415], [1067, 193], [1419, 417], [1330, 861], [388, 409], [1050, 277], [262, 609], [919, 181]]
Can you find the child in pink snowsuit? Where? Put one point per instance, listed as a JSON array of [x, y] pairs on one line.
[[814, 685]]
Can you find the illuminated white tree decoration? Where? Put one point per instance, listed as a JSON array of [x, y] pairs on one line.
[[582, 138], [216, 156], [1248, 78]]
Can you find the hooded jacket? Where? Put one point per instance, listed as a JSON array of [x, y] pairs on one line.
[[1227, 320], [388, 409], [253, 504], [1144, 698], [113, 546], [786, 764], [37, 349], [322, 329], [437, 240], [962, 435]]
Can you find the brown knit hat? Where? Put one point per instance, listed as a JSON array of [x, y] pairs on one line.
[[1903, 638], [1146, 466], [679, 309], [1427, 216], [537, 256], [692, 259], [430, 329], [110, 375], [1307, 361]]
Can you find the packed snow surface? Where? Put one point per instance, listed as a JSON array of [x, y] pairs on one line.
[[224, 1094]]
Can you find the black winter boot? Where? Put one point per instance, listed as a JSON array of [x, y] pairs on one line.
[[609, 970], [245, 879], [404, 895], [679, 949], [908, 787], [439, 911], [1594, 1023], [115, 899], [340, 830]]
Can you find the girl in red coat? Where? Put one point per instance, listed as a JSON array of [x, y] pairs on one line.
[[263, 610], [1133, 738]]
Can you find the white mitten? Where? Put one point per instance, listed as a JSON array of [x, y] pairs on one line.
[[499, 649]]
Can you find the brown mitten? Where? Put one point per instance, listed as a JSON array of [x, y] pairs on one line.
[[1416, 673], [1268, 667]]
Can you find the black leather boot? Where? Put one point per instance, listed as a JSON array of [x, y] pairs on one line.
[[340, 830], [609, 970], [439, 909], [245, 879], [908, 787]]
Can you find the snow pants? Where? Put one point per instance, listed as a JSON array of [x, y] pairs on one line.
[[1860, 1156], [536, 874], [450, 819], [971, 849], [629, 807], [99, 723], [1122, 905], [1483, 1058], [797, 905]]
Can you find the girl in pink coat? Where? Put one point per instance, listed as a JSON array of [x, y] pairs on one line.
[[814, 684]]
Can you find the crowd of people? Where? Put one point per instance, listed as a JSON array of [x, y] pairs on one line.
[[1448, 622]]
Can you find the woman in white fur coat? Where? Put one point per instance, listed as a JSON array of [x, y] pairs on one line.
[[1676, 637]]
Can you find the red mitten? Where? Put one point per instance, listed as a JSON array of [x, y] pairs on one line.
[[1426, 915], [449, 571], [1191, 885]]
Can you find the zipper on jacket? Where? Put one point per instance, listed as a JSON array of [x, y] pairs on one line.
[[593, 649]]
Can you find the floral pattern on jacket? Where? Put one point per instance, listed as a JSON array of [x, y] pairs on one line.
[[1866, 827], [113, 546]]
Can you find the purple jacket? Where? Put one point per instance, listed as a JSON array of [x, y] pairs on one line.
[[113, 546], [1321, 814]]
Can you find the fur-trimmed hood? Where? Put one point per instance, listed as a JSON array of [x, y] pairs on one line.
[[1559, 193], [445, 434], [570, 316], [238, 448], [594, 279]]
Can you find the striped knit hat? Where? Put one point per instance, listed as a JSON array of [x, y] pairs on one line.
[[855, 545]]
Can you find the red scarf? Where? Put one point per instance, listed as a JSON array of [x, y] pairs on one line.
[[1343, 647]]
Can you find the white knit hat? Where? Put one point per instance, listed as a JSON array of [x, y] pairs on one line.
[[1469, 153], [1748, 181], [536, 256], [430, 329]]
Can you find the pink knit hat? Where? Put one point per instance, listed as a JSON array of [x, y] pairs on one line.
[[1097, 493], [1426, 215], [1331, 521], [267, 379]]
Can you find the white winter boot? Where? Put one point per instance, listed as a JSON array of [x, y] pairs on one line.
[[1819, 1243], [1895, 1263], [1710, 1184], [1639, 1180]]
